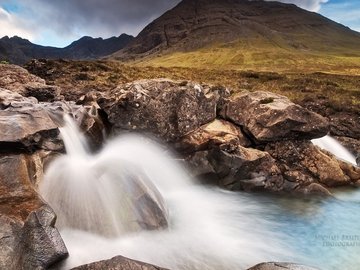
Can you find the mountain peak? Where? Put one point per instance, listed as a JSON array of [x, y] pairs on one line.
[[239, 26]]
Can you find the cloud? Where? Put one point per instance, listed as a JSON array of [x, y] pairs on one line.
[[11, 25], [97, 17], [311, 5]]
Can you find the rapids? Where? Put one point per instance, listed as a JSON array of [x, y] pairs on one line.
[[208, 228]]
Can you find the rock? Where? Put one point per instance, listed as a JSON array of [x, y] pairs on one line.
[[269, 117], [28, 238], [118, 263], [304, 163], [345, 124], [315, 189], [27, 125], [240, 168], [17, 79], [164, 108], [215, 133], [281, 266], [24, 124]]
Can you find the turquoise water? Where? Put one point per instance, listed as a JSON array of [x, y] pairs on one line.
[[322, 232]]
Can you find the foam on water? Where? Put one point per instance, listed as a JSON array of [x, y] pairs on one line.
[[209, 228]]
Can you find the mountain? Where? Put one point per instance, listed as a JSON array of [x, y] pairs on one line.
[[238, 33], [18, 51]]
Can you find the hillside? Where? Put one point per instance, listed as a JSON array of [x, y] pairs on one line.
[[19, 51], [241, 34]]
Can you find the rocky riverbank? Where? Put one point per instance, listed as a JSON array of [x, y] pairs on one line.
[[252, 141]]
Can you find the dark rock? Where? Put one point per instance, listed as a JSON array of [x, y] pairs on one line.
[[240, 168], [281, 266], [118, 263], [28, 238], [270, 117], [304, 163], [160, 107]]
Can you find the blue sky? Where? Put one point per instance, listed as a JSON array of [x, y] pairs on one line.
[[59, 22]]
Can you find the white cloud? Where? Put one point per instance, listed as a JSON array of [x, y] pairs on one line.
[[10, 25], [312, 5]]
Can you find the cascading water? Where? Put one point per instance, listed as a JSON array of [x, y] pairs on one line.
[[101, 211], [333, 146]]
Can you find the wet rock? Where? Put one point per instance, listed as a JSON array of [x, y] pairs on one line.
[[304, 163], [269, 117], [118, 263], [164, 108], [281, 266], [240, 168], [28, 238], [215, 133]]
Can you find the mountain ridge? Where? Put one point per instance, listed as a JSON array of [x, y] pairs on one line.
[[281, 30], [19, 51]]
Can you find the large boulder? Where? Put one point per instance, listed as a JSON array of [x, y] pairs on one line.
[[303, 163], [118, 263], [18, 79], [281, 266], [161, 107], [269, 117], [28, 238]]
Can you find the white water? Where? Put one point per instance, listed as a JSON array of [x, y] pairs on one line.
[[208, 228], [333, 146]]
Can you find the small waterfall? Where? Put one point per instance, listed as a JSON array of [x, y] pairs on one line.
[[333, 146], [110, 193], [134, 185]]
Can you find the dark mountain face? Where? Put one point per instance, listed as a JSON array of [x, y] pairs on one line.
[[18, 51], [195, 24]]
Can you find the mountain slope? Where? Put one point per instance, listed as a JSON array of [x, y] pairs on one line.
[[18, 51], [241, 33]]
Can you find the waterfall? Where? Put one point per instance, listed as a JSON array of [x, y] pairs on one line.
[[333, 146], [109, 204], [110, 193]]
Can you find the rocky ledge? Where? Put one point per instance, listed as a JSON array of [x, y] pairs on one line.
[[253, 141]]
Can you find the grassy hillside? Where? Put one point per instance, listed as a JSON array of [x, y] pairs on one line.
[[261, 56]]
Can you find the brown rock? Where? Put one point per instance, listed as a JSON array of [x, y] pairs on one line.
[[304, 163], [270, 117], [215, 133], [161, 107], [281, 266], [118, 263], [28, 238]]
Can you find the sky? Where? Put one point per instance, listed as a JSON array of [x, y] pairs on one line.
[[59, 22]]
